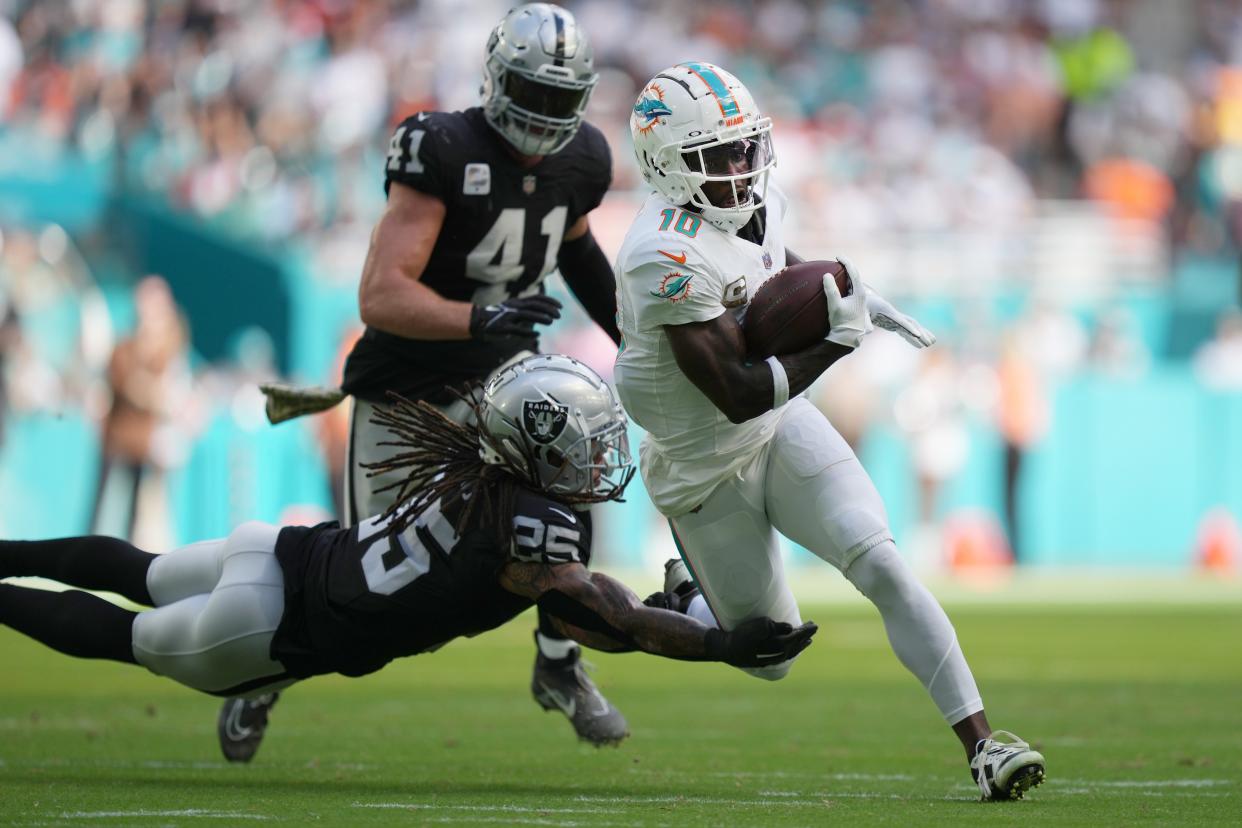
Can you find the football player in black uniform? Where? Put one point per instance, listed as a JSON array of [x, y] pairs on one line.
[[489, 521], [482, 205]]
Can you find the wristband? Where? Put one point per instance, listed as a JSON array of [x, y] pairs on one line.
[[780, 382]]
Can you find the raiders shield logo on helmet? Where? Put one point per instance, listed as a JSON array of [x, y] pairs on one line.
[[544, 421]]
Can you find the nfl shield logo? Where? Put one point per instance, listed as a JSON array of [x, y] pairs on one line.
[[528, 184], [544, 421], [767, 260]]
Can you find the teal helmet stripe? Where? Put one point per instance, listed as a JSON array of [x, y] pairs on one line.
[[728, 104]]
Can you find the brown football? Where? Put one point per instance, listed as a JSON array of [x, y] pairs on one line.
[[789, 312]]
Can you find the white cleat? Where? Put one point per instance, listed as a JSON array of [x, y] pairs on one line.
[[1005, 767]]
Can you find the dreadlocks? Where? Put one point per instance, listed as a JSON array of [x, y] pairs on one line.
[[441, 461]]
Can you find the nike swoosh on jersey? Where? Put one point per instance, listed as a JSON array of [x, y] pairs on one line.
[[679, 259], [565, 515]]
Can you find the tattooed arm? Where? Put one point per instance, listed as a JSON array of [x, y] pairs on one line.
[[610, 614]]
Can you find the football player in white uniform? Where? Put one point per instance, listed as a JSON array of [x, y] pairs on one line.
[[734, 453]]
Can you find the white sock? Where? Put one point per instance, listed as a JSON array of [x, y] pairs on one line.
[[918, 630], [701, 612], [555, 648]]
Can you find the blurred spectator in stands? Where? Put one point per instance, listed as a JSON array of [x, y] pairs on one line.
[[1022, 419], [10, 342], [930, 412], [143, 436], [1218, 362], [1117, 348]]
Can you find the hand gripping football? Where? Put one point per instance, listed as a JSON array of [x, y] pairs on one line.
[[789, 312]]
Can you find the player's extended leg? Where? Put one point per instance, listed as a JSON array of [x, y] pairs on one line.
[[819, 496], [560, 682], [94, 562], [233, 624], [219, 604], [72, 622], [731, 551]]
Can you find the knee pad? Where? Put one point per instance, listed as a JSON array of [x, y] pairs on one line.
[[881, 573]]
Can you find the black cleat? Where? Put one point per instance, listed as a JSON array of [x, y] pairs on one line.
[[242, 724], [564, 685]]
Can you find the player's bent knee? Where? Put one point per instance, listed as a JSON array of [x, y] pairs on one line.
[[773, 672]]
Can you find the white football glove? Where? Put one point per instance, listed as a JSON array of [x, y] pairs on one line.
[[886, 317], [848, 320]]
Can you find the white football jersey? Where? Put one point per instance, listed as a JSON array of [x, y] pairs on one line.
[[675, 268]]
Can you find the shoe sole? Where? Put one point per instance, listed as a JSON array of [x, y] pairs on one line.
[[1022, 780]]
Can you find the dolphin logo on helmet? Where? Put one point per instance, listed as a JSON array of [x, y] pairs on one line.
[[650, 107]]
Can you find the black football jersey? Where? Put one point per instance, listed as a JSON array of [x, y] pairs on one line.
[[502, 231], [357, 598]]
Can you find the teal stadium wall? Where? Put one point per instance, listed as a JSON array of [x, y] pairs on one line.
[[1124, 477]]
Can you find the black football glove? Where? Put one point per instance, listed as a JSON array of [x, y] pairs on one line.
[[661, 600], [513, 318], [759, 642]]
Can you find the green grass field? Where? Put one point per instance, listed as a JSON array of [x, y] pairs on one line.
[[1137, 710]]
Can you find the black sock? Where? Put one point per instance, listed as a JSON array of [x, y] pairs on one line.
[[74, 623], [92, 562]]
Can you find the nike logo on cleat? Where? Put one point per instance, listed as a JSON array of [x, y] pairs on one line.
[[564, 702]]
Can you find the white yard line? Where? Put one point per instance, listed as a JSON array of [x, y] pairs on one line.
[[516, 809], [184, 812]]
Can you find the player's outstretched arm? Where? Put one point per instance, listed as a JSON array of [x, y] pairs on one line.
[[602, 606], [589, 276], [391, 296], [712, 355]]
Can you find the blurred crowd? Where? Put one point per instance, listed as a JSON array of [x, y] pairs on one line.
[[272, 117], [948, 139]]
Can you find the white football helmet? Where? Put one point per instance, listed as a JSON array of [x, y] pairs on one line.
[[695, 123], [538, 77], [558, 426]]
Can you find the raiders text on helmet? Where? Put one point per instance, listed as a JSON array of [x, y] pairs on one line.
[[558, 426]]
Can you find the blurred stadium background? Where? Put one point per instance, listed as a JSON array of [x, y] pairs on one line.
[[1054, 186]]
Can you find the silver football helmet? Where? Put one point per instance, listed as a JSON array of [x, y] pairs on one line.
[[538, 77], [558, 426]]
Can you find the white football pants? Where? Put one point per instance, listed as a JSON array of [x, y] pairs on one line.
[[808, 485], [217, 605]]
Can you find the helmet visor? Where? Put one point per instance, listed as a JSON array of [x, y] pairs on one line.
[[745, 156], [544, 99], [598, 466]]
